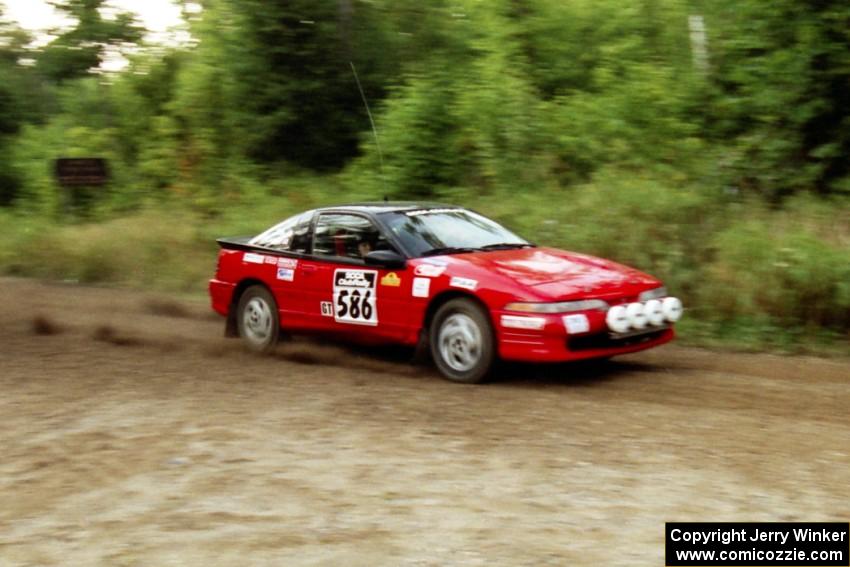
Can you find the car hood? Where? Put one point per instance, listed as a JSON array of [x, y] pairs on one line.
[[560, 273]]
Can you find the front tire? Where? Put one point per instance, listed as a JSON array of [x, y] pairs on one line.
[[257, 319], [462, 343]]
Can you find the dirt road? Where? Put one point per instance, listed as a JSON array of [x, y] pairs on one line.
[[131, 433]]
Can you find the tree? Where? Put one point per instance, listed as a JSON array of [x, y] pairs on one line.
[[782, 74], [13, 41], [289, 65], [76, 52]]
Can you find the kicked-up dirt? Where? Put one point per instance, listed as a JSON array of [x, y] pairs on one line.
[[132, 433]]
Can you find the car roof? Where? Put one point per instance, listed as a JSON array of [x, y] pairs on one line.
[[377, 207]]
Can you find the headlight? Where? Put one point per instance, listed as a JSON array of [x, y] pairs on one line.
[[656, 293], [561, 307]]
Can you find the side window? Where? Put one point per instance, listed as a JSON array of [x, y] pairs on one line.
[[346, 236], [301, 234], [292, 235]]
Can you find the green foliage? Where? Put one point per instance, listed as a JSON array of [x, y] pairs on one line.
[[166, 246], [793, 266], [79, 50], [517, 106], [8, 125], [584, 124], [24, 95], [417, 135], [11, 40], [160, 248], [782, 78], [284, 68], [9, 183]]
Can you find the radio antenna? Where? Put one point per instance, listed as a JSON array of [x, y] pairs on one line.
[[371, 120]]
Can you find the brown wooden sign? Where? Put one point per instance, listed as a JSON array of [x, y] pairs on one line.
[[75, 172]]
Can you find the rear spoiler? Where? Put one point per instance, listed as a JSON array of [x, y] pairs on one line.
[[244, 243], [236, 243]]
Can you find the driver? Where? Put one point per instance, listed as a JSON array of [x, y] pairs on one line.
[[364, 247]]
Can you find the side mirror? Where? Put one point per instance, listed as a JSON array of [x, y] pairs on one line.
[[389, 259]]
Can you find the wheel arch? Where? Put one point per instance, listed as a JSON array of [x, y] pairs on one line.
[[444, 297], [231, 329]]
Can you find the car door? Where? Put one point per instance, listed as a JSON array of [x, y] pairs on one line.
[[351, 297]]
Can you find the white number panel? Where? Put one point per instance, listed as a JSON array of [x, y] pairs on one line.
[[355, 297]]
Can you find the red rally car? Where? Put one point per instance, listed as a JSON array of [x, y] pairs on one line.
[[441, 277]]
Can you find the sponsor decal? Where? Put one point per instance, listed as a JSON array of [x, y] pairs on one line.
[[464, 283], [252, 258], [391, 280], [270, 260], [576, 324], [327, 309], [429, 270], [519, 322], [286, 274], [287, 263], [421, 287], [355, 297], [435, 261]]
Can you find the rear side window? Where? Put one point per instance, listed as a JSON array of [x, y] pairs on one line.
[[301, 235], [291, 235]]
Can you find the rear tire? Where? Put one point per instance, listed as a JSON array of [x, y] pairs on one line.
[[257, 319], [462, 342]]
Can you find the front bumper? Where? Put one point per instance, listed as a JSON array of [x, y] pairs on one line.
[[551, 341]]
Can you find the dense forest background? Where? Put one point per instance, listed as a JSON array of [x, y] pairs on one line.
[[705, 142]]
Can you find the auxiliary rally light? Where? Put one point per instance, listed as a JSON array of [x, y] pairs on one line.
[[654, 312], [636, 315]]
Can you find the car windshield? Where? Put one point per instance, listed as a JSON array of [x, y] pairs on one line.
[[446, 231]]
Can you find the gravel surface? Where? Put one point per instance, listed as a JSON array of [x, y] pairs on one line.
[[132, 433]]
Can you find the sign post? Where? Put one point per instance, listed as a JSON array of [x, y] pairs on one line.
[[79, 176]]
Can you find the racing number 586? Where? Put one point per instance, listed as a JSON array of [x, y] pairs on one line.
[[353, 305]]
